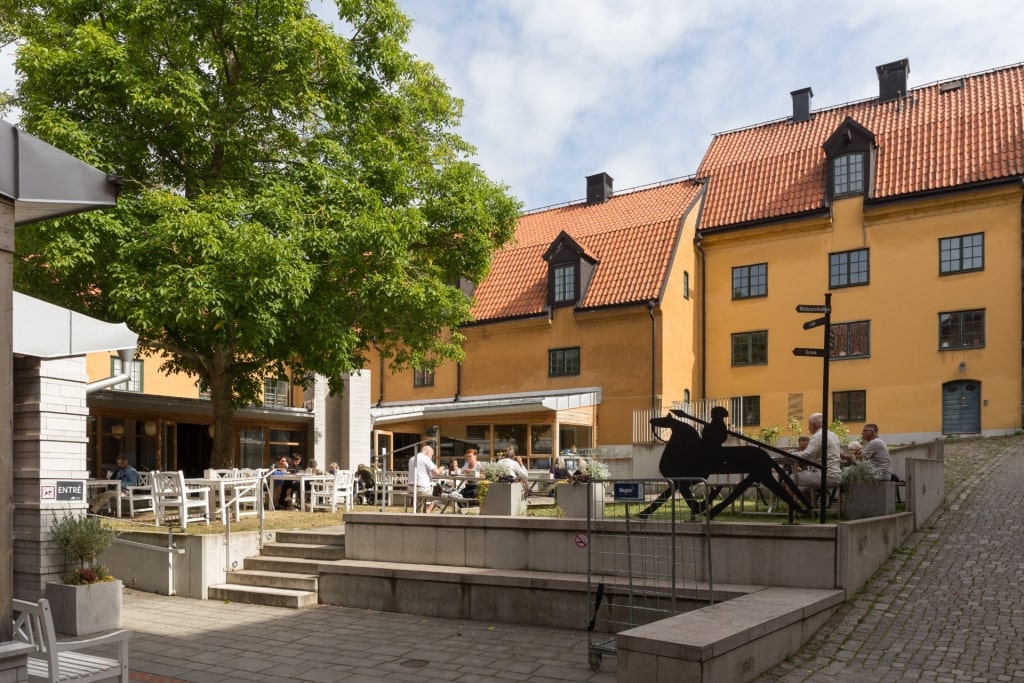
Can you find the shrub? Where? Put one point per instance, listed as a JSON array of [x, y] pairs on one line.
[[861, 472], [82, 539]]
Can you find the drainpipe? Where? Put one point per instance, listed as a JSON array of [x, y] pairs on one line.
[[654, 330], [703, 316], [458, 382], [126, 356]]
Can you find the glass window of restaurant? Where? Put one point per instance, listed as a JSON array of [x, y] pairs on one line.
[[533, 442], [254, 441]]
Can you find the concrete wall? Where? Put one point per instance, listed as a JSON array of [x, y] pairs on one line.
[[204, 563], [925, 488], [804, 555], [49, 446], [930, 450]]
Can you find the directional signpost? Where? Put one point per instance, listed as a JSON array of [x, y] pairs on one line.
[[820, 353]]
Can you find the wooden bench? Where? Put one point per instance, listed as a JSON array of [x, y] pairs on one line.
[[61, 661]]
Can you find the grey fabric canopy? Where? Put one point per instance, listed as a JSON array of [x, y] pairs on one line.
[[43, 330]]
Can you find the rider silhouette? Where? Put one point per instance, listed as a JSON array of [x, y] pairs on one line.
[[715, 432]]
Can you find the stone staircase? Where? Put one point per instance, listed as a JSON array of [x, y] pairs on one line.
[[285, 573]]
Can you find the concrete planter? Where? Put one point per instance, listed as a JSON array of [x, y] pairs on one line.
[[862, 500], [503, 499], [83, 610], [572, 500]]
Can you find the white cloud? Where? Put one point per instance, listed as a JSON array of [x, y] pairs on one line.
[[559, 89]]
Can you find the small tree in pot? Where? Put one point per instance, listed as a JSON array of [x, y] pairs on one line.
[[82, 539], [89, 599]]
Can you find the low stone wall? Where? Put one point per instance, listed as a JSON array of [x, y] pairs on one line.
[[802, 555], [204, 562]]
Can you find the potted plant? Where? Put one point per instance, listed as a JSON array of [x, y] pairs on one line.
[[865, 494], [585, 484], [89, 598], [499, 493]]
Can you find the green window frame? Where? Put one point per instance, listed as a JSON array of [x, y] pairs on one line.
[[750, 281], [564, 283], [563, 362], [850, 406], [962, 254], [848, 174], [962, 329], [848, 268], [750, 348]]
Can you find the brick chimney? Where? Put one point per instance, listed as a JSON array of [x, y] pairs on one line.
[[599, 188], [892, 80], [802, 104]]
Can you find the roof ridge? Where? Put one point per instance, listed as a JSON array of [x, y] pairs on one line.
[[618, 193], [873, 98]]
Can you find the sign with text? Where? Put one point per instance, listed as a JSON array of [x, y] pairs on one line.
[[811, 308], [818, 353], [629, 491], [811, 324], [69, 491]]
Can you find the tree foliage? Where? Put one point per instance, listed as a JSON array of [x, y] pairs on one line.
[[292, 197]]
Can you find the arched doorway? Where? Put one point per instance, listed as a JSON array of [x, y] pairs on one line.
[[961, 407]]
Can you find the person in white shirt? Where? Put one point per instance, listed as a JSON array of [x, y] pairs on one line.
[[421, 468], [808, 479], [512, 467]]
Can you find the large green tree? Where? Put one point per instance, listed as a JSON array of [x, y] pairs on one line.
[[292, 197]]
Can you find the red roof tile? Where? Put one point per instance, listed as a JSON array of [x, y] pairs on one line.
[[930, 140], [632, 236]]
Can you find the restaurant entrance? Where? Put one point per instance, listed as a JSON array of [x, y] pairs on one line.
[[194, 449]]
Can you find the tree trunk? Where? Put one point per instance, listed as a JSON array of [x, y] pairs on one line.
[[223, 455]]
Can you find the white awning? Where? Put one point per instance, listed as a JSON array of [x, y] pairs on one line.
[[43, 330], [486, 405], [45, 182]]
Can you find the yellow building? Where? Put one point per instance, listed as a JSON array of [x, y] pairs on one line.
[[585, 318], [906, 209]]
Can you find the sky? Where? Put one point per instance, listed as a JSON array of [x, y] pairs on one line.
[[556, 90]]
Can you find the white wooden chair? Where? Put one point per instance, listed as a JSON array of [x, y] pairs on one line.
[[62, 661], [173, 499], [323, 495], [345, 487], [140, 498]]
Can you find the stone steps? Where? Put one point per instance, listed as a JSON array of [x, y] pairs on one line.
[[286, 573]]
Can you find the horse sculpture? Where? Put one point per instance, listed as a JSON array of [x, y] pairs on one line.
[[688, 456]]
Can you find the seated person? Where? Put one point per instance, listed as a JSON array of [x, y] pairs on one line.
[[471, 468], [282, 489], [854, 455], [558, 469], [127, 475]]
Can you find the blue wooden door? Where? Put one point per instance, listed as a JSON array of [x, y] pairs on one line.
[[961, 407]]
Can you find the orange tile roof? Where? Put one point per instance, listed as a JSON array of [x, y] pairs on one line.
[[928, 141], [632, 236]]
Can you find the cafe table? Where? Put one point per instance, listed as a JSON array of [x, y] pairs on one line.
[[226, 489]]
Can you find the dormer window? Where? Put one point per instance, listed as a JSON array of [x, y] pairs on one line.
[[569, 271], [564, 280], [848, 174], [850, 154]]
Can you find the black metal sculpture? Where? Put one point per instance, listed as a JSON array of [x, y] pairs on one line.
[[688, 454]]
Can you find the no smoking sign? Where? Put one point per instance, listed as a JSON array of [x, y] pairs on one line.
[[581, 540]]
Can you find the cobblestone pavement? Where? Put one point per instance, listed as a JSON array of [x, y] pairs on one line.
[[948, 606], [178, 640]]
